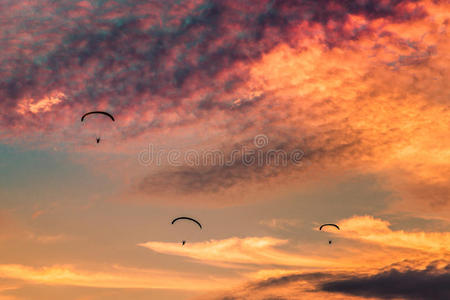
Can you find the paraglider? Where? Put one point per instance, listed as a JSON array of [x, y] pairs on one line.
[[188, 219], [100, 113], [332, 225]]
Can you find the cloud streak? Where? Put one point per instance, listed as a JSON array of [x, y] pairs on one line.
[[370, 229], [236, 251], [116, 277]]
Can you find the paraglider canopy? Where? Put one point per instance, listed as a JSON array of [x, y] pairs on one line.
[[334, 225], [187, 218], [97, 112]]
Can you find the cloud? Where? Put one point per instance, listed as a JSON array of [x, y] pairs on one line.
[[11, 228], [390, 283], [431, 283], [40, 105], [116, 277], [226, 174], [239, 251], [363, 242], [319, 76], [281, 224], [46, 238], [284, 280], [345, 114], [38, 213], [370, 229], [149, 62], [293, 286]]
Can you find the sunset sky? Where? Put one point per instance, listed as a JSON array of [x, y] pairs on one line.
[[261, 119]]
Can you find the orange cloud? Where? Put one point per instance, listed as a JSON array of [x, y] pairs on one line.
[[117, 277], [380, 252], [370, 229], [37, 213], [365, 243], [41, 105], [377, 105], [251, 250], [280, 223]]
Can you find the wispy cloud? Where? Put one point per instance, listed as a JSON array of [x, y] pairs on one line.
[[115, 277], [370, 229], [250, 251], [366, 230], [281, 224]]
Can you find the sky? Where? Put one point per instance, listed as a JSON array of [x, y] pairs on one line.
[[260, 119]]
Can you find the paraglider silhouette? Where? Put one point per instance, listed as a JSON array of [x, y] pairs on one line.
[[189, 219], [322, 226], [97, 112], [332, 225]]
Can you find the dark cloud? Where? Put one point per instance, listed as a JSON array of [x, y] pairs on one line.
[[129, 53], [430, 283], [210, 178], [398, 282], [284, 160], [215, 171], [284, 280]]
